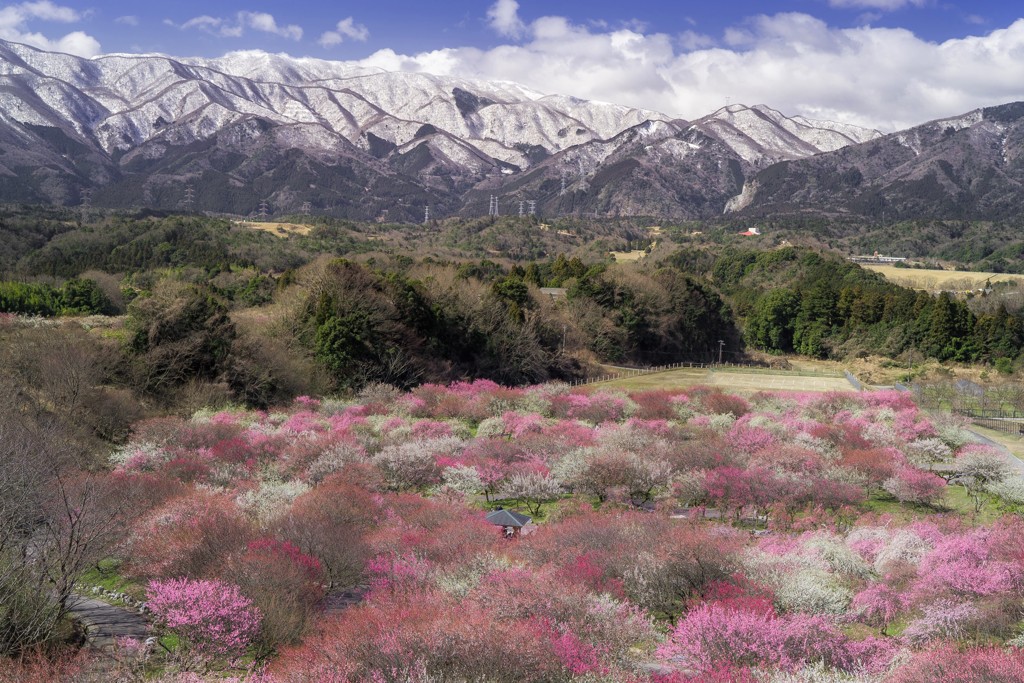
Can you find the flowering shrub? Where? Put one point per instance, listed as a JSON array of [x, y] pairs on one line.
[[309, 505], [878, 604], [191, 536], [951, 664], [942, 619], [711, 635], [212, 618], [911, 485]]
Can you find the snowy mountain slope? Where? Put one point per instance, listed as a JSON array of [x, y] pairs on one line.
[[134, 126], [969, 166]]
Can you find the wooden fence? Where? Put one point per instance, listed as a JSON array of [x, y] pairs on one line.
[[1004, 426]]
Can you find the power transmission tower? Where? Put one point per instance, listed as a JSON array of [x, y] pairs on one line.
[[263, 209], [492, 210], [531, 207], [86, 202], [562, 191], [426, 215], [306, 207], [522, 208], [190, 196], [584, 185]]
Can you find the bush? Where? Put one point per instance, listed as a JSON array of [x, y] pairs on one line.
[[212, 618]]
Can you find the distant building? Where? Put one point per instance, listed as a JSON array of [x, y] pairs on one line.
[[752, 232], [877, 258]]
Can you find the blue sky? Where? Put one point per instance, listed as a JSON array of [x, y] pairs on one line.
[[884, 63]]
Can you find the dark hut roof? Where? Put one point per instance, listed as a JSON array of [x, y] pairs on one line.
[[507, 518]]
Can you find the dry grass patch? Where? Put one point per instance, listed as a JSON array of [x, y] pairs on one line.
[[631, 256], [731, 380], [949, 280], [279, 229]]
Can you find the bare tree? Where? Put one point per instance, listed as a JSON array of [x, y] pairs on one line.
[[55, 521]]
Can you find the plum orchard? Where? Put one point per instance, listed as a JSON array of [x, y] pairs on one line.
[[270, 514]]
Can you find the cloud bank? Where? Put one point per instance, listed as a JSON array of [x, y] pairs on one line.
[[15, 20], [879, 77]]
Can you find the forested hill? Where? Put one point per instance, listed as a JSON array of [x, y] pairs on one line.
[[819, 304], [208, 308]]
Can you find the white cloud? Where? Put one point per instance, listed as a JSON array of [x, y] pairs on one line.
[[346, 28], [879, 77], [128, 20], [261, 21], [48, 11], [235, 27], [14, 21], [691, 40], [503, 17], [886, 5]]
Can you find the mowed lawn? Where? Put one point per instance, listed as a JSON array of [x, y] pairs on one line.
[[739, 380]]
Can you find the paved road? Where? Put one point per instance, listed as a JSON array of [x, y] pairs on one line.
[[1014, 461]]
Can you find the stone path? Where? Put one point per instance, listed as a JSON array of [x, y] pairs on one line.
[[104, 622]]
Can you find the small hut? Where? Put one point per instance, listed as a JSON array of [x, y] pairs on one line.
[[511, 523]]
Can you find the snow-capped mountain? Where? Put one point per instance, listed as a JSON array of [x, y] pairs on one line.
[[251, 126], [964, 167]]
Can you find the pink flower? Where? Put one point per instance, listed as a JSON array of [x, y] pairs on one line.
[[212, 617]]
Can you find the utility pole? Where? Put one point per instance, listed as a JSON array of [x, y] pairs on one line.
[[721, 344]]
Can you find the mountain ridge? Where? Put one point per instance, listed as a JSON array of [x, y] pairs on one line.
[[253, 126], [969, 166]]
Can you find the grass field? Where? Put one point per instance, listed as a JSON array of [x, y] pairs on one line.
[[631, 256], [279, 229], [739, 380], [932, 280]]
